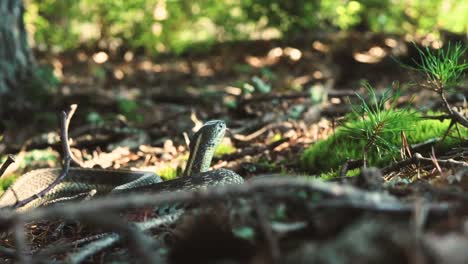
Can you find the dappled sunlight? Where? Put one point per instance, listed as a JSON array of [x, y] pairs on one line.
[[58, 68], [259, 62], [319, 46], [100, 57], [128, 56], [293, 53], [160, 11], [373, 55], [119, 74], [204, 70], [275, 52], [391, 42], [264, 119], [317, 74], [146, 65], [273, 56], [302, 80]]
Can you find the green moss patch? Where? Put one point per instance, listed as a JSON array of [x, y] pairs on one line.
[[5, 182], [168, 173], [329, 154], [223, 149]]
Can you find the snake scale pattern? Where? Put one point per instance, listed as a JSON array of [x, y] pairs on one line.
[[81, 181]]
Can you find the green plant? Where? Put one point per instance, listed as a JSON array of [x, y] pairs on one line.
[[224, 148], [47, 156], [443, 68], [329, 154], [177, 26], [379, 122], [94, 118], [129, 108], [260, 85], [168, 173], [6, 182]]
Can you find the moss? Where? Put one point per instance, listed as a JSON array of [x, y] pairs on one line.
[[5, 182], [329, 154], [224, 148], [328, 175], [274, 138], [32, 158], [40, 156], [168, 173]]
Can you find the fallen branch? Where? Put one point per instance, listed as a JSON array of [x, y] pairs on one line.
[[110, 239], [341, 196], [290, 96], [66, 166], [8, 252], [139, 244], [64, 136], [459, 118], [22, 249], [265, 226], [77, 211], [252, 151], [418, 158], [350, 165], [61, 247]]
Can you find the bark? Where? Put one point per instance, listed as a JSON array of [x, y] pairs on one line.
[[16, 60]]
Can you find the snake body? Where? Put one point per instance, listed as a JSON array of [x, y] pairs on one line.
[[84, 180]]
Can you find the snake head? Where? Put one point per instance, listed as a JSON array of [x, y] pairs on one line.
[[203, 145]]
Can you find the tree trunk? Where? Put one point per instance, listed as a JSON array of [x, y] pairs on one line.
[[16, 60]]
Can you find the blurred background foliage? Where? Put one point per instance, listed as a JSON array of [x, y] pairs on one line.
[[157, 26]]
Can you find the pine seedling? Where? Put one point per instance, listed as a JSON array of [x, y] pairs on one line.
[[444, 68], [380, 121]]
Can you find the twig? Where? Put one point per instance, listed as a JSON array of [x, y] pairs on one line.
[[436, 209], [350, 165], [289, 96], [63, 174], [453, 115], [419, 219], [253, 135], [418, 158], [22, 248], [452, 123], [435, 161], [110, 239], [265, 226], [437, 117], [7, 252], [64, 137], [252, 151], [138, 243], [76, 211], [420, 147], [10, 159], [459, 118], [444, 99], [62, 247]]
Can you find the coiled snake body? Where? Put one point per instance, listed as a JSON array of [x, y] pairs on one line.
[[80, 181]]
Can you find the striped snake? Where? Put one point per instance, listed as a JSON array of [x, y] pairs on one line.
[[80, 181]]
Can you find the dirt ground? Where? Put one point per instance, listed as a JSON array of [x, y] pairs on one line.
[[139, 112]]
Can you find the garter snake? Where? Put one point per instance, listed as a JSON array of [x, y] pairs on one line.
[[84, 180]]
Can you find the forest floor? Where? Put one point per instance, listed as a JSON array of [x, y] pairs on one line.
[[139, 113]]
